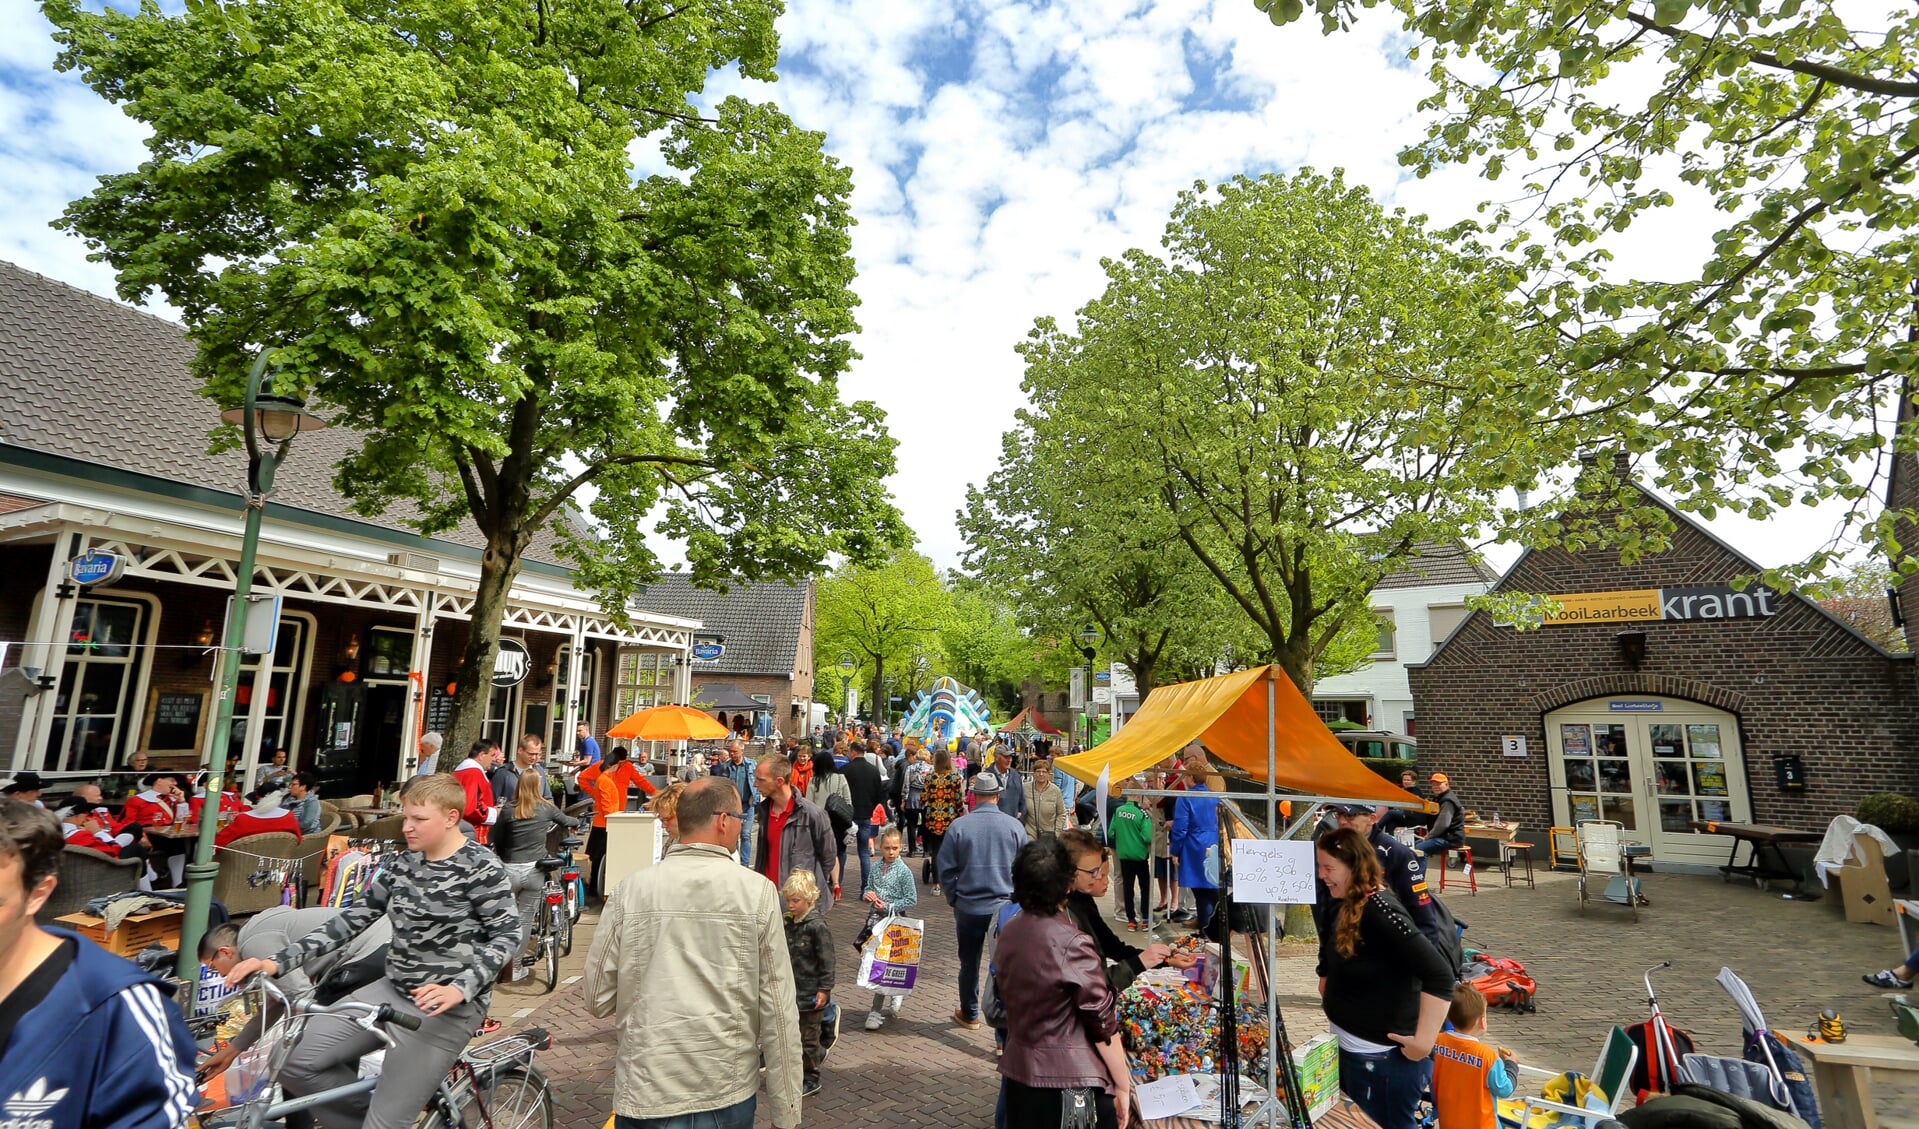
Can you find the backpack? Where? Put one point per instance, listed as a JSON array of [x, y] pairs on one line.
[[1648, 1074], [1504, 983], [1451, 946], [1778, 1056]]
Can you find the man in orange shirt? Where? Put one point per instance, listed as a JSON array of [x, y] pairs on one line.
[[608, 782]]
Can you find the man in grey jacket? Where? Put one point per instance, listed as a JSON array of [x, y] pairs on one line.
[[794, 834], [1012, 790], [976, 874]]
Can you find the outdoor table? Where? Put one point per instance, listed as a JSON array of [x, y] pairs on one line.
[[182, 832], [1842, 1074], [1344, 1114], [1762, 838]]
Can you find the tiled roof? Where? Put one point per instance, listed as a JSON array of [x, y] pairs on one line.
[[89, 378], [1435, 565], [760, 623]]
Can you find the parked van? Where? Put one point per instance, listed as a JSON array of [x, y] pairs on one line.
[[1376, 744]]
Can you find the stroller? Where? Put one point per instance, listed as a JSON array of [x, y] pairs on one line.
[[1770, 1072]]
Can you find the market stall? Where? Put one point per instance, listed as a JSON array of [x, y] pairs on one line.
[[1257, 721]]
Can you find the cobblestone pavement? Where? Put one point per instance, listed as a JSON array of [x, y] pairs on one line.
[[921, 1070]]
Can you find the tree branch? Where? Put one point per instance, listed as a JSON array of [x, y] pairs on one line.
[[1838, 76]]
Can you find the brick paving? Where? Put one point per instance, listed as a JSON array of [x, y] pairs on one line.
[[921, 1070]]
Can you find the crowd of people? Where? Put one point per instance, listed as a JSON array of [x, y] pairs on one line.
[[757, 854]]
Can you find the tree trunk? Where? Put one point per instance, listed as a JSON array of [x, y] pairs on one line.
[[880, 705], [473, 681]]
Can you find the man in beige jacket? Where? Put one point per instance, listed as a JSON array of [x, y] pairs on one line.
[[677, 948]]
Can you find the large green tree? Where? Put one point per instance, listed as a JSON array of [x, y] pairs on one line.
[[1763, 372], [1070, 543], [985, 644], [1292, 389], [883, 615], [429, 213]]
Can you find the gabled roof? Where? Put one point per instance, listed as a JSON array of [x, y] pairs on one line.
[[759, 624], [1748, 566], [1432, 566], [89, 379]]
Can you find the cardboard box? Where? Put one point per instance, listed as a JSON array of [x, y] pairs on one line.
[[161, 927], [1317, 1061], [1863, 886]]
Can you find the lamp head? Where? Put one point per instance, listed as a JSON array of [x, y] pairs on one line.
[[1089, 635]]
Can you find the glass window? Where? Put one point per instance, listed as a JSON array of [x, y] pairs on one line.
[[1383, 643], [283, 685], [562, 682], [97, 683], [392, 652]]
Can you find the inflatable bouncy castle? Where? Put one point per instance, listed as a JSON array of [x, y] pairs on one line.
[[945, 712]]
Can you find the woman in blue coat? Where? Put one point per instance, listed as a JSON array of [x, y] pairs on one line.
[[1195, 830]]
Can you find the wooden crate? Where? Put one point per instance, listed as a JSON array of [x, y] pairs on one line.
[[142, 930]]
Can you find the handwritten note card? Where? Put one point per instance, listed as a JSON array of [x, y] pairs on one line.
[[1279, 871], [1168, 1097]]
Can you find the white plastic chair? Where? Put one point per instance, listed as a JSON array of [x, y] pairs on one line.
[[1600, 855]]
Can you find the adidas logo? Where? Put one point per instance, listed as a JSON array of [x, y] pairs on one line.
[[24, 1108]]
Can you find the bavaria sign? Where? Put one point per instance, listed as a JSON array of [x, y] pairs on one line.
[[96, 567], [708, 652], [511, 664]]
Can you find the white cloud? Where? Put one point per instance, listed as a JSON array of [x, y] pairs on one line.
[[1000, 149]]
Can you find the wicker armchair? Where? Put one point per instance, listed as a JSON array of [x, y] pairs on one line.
[[385, 827], [86, 875], [241, 858]]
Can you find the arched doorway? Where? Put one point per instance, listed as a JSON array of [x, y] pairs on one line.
[[1655, 765]]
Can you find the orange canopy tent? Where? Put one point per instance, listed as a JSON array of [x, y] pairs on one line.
[[1248, 719]]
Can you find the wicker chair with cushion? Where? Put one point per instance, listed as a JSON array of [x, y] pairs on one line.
[[240, 859], [386, 827], [86, 875]]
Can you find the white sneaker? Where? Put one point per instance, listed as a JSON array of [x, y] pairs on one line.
[[874, 1021], [893, 1003]]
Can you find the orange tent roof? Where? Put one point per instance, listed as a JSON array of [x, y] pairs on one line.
[[1228, 715]]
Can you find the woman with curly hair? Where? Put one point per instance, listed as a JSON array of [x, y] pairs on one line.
[[1384, 987], [942, 800]]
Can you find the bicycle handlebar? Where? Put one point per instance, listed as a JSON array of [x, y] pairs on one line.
[[397, 1018]]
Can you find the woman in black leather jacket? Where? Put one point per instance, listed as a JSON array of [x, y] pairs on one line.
[[1062, 1033]]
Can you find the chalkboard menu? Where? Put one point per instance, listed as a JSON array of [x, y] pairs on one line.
[[176, 721], [439, 710]]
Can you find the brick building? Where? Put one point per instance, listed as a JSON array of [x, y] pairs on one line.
[[1660, 697], [767, 632], [103, 439]]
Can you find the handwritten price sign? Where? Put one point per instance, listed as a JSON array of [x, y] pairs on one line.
[[1278, 871]]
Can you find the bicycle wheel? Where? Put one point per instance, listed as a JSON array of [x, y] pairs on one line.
[[550, 950], [575, 898], [514, 1098], [563, 928]]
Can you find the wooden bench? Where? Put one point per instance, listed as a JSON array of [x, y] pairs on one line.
[[1842, 1074]]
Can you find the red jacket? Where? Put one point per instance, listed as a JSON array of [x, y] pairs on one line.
[[257, 823], [479, 792], [148, 810], [230, 804], [81, 837]]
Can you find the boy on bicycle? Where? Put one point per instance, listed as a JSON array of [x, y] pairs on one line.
[[454, 927]]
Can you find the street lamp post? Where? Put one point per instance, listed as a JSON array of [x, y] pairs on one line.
[[1088, 637], [847, 666], [269, 421]]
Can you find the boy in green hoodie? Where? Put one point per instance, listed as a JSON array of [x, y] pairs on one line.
[[1133, 844]]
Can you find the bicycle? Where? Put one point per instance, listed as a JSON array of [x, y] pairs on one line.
[[552, 930], [493, 1086]]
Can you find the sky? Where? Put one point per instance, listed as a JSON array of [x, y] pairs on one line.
[[1000, 149]]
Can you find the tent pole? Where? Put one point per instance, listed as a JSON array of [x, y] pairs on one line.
[[1273, 1048]]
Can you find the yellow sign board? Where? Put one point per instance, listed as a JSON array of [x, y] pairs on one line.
[[1634, 606]]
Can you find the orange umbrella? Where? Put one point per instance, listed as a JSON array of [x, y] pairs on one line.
[[669, 723]]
